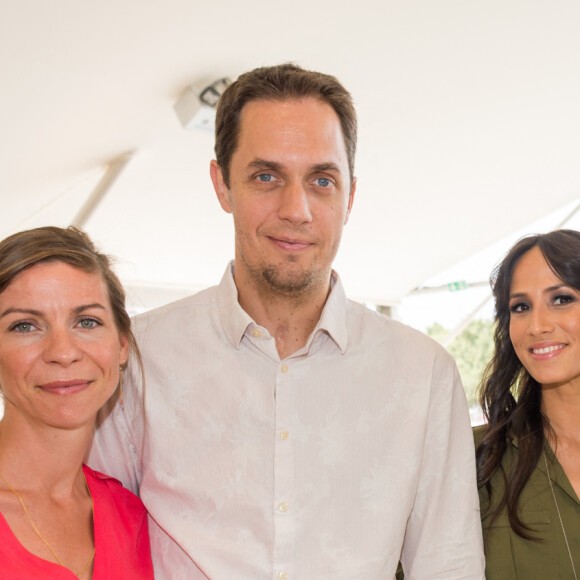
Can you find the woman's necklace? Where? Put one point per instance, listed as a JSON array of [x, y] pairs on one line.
[[88, 565], [559, 516]]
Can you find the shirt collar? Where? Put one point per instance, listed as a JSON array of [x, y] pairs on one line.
[[333, 318], [235, 320]]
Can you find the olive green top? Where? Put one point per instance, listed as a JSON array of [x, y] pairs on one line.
[[508, 556]]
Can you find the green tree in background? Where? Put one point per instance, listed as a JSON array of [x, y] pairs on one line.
[[472, 350]]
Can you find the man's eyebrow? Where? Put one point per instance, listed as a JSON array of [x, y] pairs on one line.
[[275, 166], [265, 164], [326, 167]]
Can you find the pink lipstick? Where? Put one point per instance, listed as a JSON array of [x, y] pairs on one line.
[[547, 350], [65, 387]]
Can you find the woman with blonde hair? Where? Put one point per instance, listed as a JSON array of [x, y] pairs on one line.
[[65, 338]]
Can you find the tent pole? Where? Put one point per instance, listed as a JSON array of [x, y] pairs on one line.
[[568, 217], [113, 171], [464, 323]]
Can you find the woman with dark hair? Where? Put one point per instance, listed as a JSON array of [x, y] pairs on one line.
[[528, 453], [65, 338]]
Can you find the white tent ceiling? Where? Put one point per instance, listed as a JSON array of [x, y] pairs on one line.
[[469, 124]]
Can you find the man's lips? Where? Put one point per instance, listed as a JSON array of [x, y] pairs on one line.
[[65, 387], [290, 244], [547, 350]]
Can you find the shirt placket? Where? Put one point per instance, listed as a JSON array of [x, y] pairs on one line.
[[285, 508]]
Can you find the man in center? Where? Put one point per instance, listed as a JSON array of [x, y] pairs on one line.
[[291, 433]]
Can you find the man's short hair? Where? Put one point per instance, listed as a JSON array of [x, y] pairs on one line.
[[280, 83]]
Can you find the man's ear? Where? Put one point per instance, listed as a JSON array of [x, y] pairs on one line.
[[350, 200], [221, 189]]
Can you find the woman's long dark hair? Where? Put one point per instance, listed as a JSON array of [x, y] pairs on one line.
[[510, 398]]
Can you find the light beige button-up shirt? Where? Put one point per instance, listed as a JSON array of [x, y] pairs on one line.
[[351, 454]]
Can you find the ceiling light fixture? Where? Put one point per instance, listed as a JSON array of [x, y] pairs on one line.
[[195, 107]]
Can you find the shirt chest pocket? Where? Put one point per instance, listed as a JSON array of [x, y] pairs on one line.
[[510, 557]]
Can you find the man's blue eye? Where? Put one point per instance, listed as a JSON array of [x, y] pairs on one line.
[[323, 181], [266, 177]]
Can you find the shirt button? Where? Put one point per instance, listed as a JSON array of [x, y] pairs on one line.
[[283, 435], [283, 507], [283, 575], [284, 368], [256, 332]]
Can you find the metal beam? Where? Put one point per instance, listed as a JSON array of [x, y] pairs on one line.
[[114, 169]]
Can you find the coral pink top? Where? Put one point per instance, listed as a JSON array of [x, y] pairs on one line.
[[122, 549]]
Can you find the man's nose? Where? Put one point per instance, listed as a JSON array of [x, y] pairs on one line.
[[295, 204]]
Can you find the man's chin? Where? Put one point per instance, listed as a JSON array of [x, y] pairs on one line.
[[293, 283]]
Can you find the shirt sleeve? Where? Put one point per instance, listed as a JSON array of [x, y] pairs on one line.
[[118, 440], [443, 538]]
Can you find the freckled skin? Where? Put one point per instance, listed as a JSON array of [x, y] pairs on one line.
[[46, 340]]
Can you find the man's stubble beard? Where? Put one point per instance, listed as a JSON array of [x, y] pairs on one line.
[[278, 282], [293, 286]]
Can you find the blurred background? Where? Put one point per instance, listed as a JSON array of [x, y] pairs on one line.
[[469, 137]]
